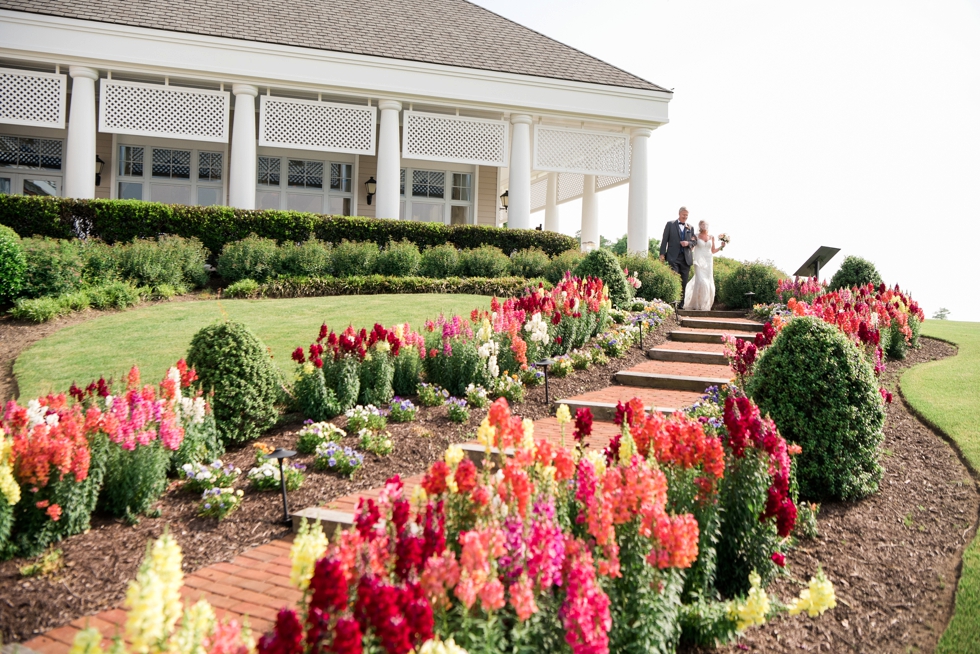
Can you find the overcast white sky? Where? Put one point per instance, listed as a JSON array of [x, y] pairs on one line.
[[853, 124]]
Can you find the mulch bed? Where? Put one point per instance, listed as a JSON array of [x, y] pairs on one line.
[[895, 557], [100, 563]]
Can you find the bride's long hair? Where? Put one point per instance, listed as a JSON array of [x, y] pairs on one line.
[[703, 226]]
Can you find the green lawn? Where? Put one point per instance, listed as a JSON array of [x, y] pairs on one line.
[[154, 337], [947, 393]]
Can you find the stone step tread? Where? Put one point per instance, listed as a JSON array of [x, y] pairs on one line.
[[715, 348], [711, 320], [683, 369]]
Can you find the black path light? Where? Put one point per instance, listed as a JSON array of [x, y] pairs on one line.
[[748, 297], [545, 364], [281, 454]]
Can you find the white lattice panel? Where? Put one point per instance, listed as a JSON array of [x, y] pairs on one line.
[[167, 111], [602, 182], [570, 186], [539, 194], [435, 137], [35, 99], [314, 125], [581, 151]]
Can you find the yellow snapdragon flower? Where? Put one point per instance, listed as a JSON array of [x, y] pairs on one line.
[[145, 620], [166, 558], [563, 415], [419, 496], [627, 448], [434, 646], [816, 598], [486, 434], [87, 641], [198, 623], [454, 455], [9, 488], [308, 546], [598, 460], [753, 612]]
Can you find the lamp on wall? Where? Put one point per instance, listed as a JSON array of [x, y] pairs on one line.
[[371, 186], [98, 170], [505, 199]]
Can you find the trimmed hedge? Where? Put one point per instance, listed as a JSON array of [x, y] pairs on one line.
[[124, 220], [855, 271], [289, 287]]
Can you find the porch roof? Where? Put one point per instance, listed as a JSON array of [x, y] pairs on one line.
[[446, 32]]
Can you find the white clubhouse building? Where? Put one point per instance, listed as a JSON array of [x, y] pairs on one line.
[[425, 110]]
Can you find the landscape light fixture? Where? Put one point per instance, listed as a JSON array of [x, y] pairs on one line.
[[545, 364], [98, 170], [281, 454], [371, 186], [505, 199]]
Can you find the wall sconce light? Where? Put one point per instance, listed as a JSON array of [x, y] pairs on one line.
[[505, 199], [98, 170], [371, 186]]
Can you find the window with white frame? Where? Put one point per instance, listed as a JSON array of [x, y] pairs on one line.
[[30, 166], [299, 184], [173, 175], [441, 196]]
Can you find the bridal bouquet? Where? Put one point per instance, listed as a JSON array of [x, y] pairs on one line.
[[724, 238]]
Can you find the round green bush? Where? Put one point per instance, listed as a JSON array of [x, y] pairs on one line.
[[657, 280], [350, 259], [252, 257], [310, 258], [53, 267], [604, 265], [484, 261], [399, 259], [759, 277], [235, 364], [821, 391], [723, 268], [13, 264], [528, 263], [563, 263], [440, 261], [855, 271]]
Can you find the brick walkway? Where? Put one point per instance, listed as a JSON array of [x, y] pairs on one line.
[[256, 583]]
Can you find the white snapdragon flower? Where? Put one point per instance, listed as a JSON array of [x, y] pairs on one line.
[[35, 413]]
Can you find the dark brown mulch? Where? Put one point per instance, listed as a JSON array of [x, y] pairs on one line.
[[100, 562], [895, 557]]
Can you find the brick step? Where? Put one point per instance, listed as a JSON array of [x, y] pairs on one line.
[[692, 347], [731, 324], [668, 382], [687, 356], [710, 314], [706, 335], [603, 402]]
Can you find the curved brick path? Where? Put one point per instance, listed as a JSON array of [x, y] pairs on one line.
[[255, 584]]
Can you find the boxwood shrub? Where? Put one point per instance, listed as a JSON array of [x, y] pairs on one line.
[[565, 262], [821, 391], [124, 220], [439, 261], [759, 277], [604, 265], [401, 259], [532, 262], [855, 271], [484, 261], [235, 364], [657, 280]]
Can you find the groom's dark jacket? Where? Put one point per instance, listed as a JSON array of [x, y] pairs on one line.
[[670, 244]]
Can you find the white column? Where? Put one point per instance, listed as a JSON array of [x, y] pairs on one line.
[[551, 204], [519, 205], [637, 234], [241, 178], [389, 162], [80, 158], [590, 214]]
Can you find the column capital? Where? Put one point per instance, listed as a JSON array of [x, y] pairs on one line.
[[641, 131], [389, 105], [244, 89], [84, 72], [521, 119]]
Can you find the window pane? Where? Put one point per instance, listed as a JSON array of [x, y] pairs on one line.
[[402, 181], [428, 184], [459, 215], [304, 202], [130, 161], [207, 196], [427, 212], [170, 193], [307, 174], [30, 152], [462, 183], [269, 171], [420, 183], [175, 164], [437, 185], [267, 200], [340, 177], [8, 150], [5, 185], [209, 166], [130, 191], [40, 187], [338, 206]]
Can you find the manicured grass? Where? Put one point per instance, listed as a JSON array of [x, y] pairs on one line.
[[947, 393], [154, 337]]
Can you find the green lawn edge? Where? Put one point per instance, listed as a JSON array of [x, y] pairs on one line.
[[155, 336], [946, 395]]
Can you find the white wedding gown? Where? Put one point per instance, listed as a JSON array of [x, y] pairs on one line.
[[700, 292]]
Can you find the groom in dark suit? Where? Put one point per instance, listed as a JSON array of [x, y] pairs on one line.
[[677, 248]]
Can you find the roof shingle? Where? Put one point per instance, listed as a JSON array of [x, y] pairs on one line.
[[448, 32]]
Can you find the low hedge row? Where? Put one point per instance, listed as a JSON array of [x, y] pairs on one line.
[[124, 220], [292, 287]]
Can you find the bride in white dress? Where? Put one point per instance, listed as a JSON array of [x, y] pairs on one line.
[[700, 292]]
